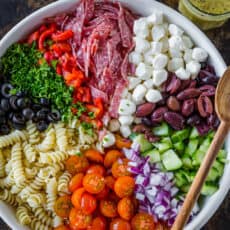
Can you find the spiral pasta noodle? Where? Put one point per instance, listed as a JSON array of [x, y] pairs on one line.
[[8, 197], [10, 139], [42, 215], [2, 164], [51, 193], [63, 183], [61, 135], [49, 141], [22, 214], [33, 133], [38, 225], [29, 151]]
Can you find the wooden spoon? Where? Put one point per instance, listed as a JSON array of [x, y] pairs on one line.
[[222, 105]]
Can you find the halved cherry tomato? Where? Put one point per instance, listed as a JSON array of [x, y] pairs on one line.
[[125, 208], [120, 168], [110, 181], [93, 183], [96, 169], [120, 224], [79, 220], [62, 227], [111, 156], [88, 203], [122, 142], [143, 221], [63, 206], [124, 186], [94, 156], [99, 223], [108, 208], [103, 194], [76, 197], [77, 164], [76, 182]]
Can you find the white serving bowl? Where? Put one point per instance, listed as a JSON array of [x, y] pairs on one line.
[[142, 7]]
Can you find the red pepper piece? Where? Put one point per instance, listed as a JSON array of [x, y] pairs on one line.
[[33, 37], [75, 79], [59, 69], [47, 33], [61, 48], [86, 97], [62, 36], [68, 62]]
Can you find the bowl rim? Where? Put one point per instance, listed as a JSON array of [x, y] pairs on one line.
[[224, 185]]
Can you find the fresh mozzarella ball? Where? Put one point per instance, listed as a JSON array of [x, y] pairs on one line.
[[160, 61], [188, 55], [182, 74], [194, 68], [143, 71], [153, 95], [156, 47], [126, 107], [142, 45], [158, 32], [108, 140], [140, 27], [199, 54], [148, 57], [175, 30], [124, 93], [125, 131], [139, 93], [165, 44], [135, 58], [155, 18], [159, 76], [133, 82], [175, 53], [114, 125], [187, 42], [174, 64], [176, 42], [126, 120], [148, 83]]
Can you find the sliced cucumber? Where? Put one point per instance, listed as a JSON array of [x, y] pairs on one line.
[[179, 147], [208, 189], [162, 130], [154, 155], [212, 175], [144, 144], [194, 133], [171, 161], [181, 135], [187, 162], [192, 147]]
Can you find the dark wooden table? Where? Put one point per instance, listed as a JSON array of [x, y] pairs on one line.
[[12, 11]]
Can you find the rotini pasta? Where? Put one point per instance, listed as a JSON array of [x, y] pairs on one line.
[[22, 214], [51, 193], [63, 183], [2, 164], [36, 200], [19, 174], [29, 151], [38, 225], [49, 141], [33, 133], [61, 135], [42, 215], [14, 137], [8, 197]]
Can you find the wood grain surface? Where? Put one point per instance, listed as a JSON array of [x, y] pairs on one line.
[[12, 11]]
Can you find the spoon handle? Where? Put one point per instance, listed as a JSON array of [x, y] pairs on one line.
[[200, 177]]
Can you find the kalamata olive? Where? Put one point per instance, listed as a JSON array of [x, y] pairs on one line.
[[18, 119], [42, 114], [4, 129], [140, 128], [175, 120], [146, 121], [54, 116], [150, 137], [194, 120], [45, 102], [5, 105], [5, 90], [2, 119], [173, 104], [13, 102], [36, 107], [23, 102], [28, 113], [2, 112], [145, 109], [207, 78], [42, 126], [158, 115], [202, 128], [188, 107]]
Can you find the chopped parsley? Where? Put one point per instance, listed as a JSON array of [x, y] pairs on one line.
[[39, 80], [88, 128], [80, 109], [91, 115]]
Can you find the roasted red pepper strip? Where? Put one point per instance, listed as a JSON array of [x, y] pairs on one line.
[[33, 37], [44, 35], [60, 48], [62, 36], [97, 108], [75, 78]]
